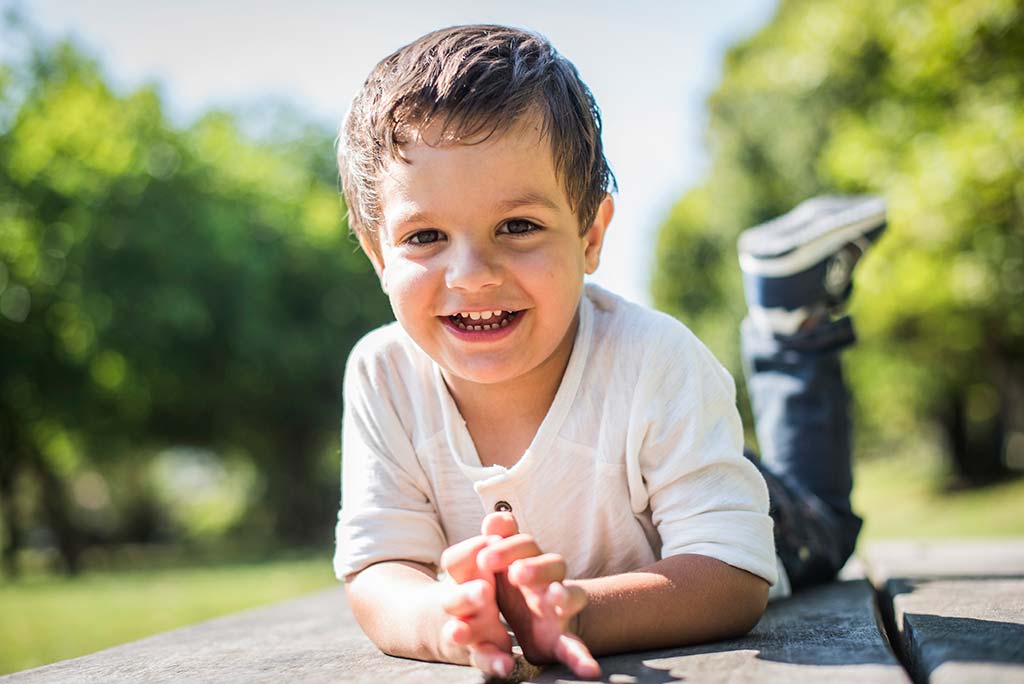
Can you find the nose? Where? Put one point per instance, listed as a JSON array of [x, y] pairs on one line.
[[473, 267]]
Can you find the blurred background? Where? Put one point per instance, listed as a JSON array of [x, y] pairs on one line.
[[178, 291]]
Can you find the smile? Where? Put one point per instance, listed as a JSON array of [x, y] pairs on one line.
[[479, 321], [482, 326]]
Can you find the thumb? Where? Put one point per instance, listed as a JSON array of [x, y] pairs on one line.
[[500, 524], [573, 652]]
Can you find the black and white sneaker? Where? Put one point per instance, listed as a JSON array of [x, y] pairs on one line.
[[802, 261]]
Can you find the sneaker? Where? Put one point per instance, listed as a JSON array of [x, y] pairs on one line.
[[802, 262]]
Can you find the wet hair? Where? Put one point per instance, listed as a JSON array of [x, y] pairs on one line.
[[467, 83]]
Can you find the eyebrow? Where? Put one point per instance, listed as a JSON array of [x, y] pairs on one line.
[[526, 199]]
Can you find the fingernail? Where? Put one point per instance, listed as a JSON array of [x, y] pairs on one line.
[[500, 666]]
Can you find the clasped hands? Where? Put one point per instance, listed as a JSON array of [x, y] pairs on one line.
[[503, 571]]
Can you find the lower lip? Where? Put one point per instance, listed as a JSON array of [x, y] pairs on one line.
[[491, 335]]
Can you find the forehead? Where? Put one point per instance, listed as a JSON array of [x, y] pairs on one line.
[[452, 179]]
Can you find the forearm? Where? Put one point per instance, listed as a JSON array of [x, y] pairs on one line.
[[679, 600], [398, 605]]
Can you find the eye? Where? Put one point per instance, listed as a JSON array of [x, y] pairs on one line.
[[425, 237], [519, 227]]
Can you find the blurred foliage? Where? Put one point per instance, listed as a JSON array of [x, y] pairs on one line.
[[166, 289], [921, 101]]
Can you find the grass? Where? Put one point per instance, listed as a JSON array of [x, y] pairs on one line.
[[45, 618], [900, 498], [48, 618]]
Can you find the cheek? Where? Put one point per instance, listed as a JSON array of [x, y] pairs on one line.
[[547, 266], [558, 268], [408, 286], [402, 274], [555, 280]]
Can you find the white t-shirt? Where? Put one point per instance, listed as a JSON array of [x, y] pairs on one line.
[[639, 457]]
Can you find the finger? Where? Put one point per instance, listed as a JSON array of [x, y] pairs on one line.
[[474, 630], [459, 560], [537, 570], [463, 631], [533, 595], [553, 600], [564, 600], [571, 650], [468, 598], [456, 631], [501, 524], [490, 659], [498, 556]]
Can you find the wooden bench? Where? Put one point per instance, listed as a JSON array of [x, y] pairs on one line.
[[954, 613]]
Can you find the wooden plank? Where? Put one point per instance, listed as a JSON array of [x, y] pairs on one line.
[[957, 608], [311, 639], [830, 633], [827, 634]]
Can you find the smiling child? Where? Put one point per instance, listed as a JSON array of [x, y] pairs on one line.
[[519, 444]]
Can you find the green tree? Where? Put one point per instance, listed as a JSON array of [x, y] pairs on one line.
[[164, 286], [919, 101]]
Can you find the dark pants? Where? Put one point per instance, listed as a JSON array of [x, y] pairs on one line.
[[801, 413]]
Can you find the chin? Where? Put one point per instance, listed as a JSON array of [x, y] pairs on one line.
[[483, 375]]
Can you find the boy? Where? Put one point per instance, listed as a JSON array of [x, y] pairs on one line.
[[515, 429]]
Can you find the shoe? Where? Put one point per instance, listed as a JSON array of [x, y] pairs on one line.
[[802, 261]]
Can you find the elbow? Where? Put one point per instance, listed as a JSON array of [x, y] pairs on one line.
[[367, 617], [362, 606], [750, 606]]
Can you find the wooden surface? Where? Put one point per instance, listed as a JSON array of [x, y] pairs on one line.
[[956, 609], [829, 634], [956, 616]]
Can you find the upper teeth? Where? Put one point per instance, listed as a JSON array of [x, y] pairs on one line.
[[479, 315]]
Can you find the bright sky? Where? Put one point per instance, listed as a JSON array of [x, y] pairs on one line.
[[650, 65]]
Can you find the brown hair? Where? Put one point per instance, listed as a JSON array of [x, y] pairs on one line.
[[473, 81]]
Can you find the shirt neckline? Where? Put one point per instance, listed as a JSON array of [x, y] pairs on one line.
[[460, 443]]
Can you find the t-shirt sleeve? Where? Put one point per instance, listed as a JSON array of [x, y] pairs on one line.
[[386, 512], [705, 496]]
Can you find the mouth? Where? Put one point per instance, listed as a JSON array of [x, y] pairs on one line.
[[481, 321], [483, 326]]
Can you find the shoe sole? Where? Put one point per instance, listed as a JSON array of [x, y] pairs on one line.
[[810, 242], [794, 290]]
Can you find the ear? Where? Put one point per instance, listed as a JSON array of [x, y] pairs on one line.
[[372, 252], [593, 239]]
